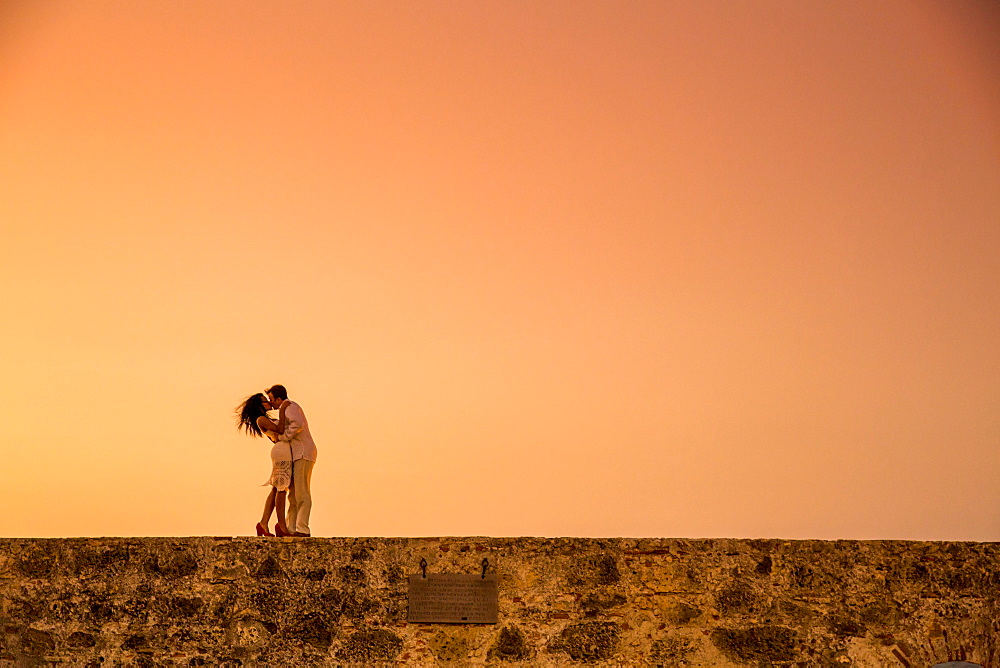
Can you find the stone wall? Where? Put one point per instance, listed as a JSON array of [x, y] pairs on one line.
[[343, 601]]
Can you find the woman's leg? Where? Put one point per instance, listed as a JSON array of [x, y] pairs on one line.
[[279, 503], [269, 506]]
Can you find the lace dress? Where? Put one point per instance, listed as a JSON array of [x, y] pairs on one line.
[[281, 463]]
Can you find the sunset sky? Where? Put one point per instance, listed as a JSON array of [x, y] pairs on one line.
[[589, 268]]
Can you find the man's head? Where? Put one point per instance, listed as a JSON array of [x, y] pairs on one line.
[[276, 394]]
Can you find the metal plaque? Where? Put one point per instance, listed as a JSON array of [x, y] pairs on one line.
[[453, 599]]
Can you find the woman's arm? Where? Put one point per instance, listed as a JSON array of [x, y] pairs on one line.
[[266, 424]]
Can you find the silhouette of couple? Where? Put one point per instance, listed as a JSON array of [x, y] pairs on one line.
[[292, 457]]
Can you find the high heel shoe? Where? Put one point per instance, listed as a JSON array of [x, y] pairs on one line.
[[281, 533], [262, 530]]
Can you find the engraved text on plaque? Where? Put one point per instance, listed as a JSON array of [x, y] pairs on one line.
[[453, 599]]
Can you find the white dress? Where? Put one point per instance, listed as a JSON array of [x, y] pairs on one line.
[[281, 463]]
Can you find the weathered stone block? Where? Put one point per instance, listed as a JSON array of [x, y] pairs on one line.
[[758, 644], [370, 646], [510, 645]]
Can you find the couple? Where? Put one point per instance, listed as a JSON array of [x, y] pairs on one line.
[[292, 458]]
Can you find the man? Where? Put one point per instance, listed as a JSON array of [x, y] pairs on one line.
[[296, 432]]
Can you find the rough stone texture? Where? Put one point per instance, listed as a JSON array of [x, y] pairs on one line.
[[342, 601]]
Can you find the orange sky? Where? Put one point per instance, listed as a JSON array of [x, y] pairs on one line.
[[532, 268]]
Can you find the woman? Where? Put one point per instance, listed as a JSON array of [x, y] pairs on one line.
[[251, 416]]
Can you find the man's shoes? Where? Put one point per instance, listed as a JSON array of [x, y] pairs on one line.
[[299, 534]]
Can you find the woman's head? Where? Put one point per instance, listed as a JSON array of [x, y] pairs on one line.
[[248, 412]]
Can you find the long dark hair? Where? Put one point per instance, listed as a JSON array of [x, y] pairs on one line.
[[248, 412]]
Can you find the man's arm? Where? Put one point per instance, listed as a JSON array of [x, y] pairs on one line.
[[281, 416], [294, 421]]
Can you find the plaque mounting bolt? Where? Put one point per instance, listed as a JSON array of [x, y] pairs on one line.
[[486, 564], [423, 567]]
